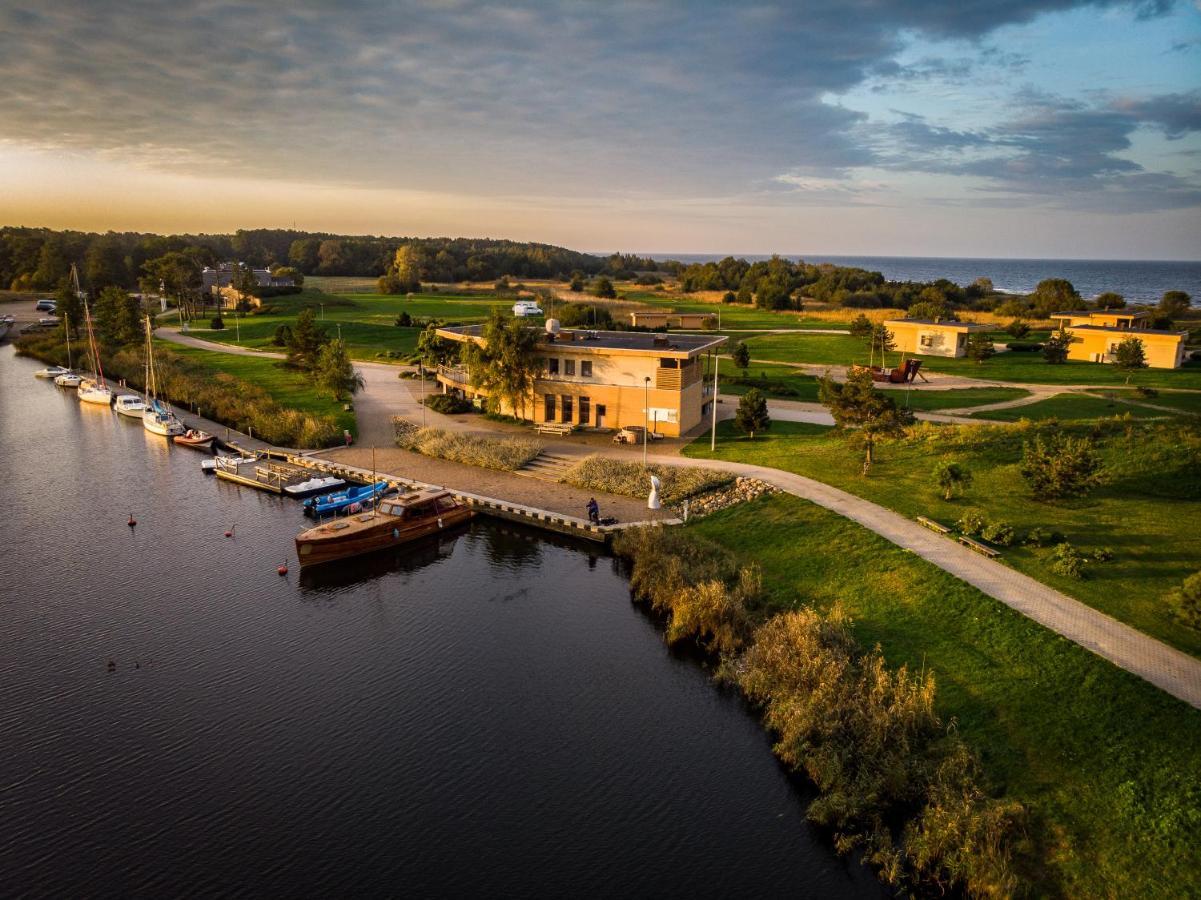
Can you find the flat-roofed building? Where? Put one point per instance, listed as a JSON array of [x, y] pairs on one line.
[[673, 320], [609, 379], [1096, 333], [932, 337]]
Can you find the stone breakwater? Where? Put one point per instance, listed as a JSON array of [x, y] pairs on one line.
[[742, 490]]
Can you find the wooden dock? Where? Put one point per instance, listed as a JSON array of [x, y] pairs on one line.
[[500, 509], [264, 471]]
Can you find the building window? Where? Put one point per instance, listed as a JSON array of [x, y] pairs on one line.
[[552, 366], [569, 367], [548, 412], [585, 409], [927, 340], [567, 408], [586, 368]]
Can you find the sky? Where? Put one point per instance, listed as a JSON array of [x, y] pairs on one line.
[[1026, 128]]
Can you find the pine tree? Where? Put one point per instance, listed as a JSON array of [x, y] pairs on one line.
[[752, 415], [980, 346], [334, 372], [306, 341]]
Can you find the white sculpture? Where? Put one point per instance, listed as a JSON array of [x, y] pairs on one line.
[[652, 502]]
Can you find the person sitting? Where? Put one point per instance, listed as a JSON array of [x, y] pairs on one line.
[[593, 512]]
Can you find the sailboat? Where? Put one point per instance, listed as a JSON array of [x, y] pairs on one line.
[[94, 390], [62, 377], [158, 417]]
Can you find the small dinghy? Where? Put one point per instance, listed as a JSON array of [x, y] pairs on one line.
[[313, 486], [130, 405], [331, 504], [51, 372], [193, 437]]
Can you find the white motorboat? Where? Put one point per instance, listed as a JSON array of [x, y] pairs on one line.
[[158, 418], [313, 486], [68, 380], [51, 372], [130, 405]]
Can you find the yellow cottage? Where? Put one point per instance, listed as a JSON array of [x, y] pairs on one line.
[[932, 337], [610, 379], [1096, 334]]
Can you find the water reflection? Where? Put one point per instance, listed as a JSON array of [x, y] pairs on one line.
[[406, 559]]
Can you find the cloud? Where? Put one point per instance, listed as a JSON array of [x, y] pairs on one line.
[[616, 99]]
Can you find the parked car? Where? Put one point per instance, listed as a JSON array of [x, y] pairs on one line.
[[50, 321], [632, 434], [526, 308], [46, 306]]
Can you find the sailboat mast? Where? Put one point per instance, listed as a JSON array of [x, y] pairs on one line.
[[93, 349], [151, 387], [67, 332]]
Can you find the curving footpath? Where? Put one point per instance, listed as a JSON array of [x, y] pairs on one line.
[[1166, 667]]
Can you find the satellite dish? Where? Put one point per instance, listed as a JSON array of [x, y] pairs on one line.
[[552, 326]]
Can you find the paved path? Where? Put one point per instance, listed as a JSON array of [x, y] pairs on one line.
[[1171, 670], [1167, 668]]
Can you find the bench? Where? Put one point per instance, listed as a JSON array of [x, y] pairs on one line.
[[561, 429], [978, 547], [932, 525]]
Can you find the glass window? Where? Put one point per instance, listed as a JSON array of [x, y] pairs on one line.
[[569, 367], [567, 408], [585, 409], [548, 412], [552, 366], [586, 368]]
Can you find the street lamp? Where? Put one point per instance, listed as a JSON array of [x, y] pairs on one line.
[[421, 369], [646, 416], [713, 403]]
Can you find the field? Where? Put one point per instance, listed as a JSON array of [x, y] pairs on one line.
[[367, 321], [1104, 762], [1072, 406], [289, 388], [1145, 512], [1020, 368]]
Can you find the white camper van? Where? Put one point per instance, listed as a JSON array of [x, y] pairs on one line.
[[524, 308]]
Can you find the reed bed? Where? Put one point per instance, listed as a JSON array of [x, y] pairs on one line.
[[615, 476], [504, 454]]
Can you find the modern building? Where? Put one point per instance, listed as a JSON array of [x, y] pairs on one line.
[[609, 379], [1095, 334], [218, 283], [932, 337], [673, 320]]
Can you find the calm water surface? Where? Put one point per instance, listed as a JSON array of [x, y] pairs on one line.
[[484, 713]]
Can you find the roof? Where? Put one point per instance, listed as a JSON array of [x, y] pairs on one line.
[[632, 342], [950, 323], [1133, 313], [1130, 332]]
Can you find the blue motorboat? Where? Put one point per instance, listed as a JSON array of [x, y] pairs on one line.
[[339, 501]]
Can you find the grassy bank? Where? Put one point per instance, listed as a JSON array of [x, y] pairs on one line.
[[1020, 368], [1104, 763], [1145, 511]]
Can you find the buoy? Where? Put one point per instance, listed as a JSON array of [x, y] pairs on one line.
[[283, 569], [230, 533], [132, 520]]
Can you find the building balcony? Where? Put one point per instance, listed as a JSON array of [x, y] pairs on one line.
[[457, 374]]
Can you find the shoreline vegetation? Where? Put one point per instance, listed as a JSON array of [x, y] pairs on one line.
[[196, 381], [1036, 767]]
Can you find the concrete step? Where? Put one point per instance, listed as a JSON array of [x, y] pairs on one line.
[[547, 466]]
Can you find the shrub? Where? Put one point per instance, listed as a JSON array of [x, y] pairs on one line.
[[1186, 601], [970, 524], [216, 323], [615, 476], [1148, 392], [1066, 561], [448, 404], [404, 320], [282, 336], [950, 476], [999, 533], [1103, 554], [1042, 537], [505, 454], [1017, 329], [1060, 466]]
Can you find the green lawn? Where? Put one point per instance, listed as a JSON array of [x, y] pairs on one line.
[[1146, 511], [1021, 368], [1071, 406], [287, 387], [1105, 763], [367, 320], [1184, 401]]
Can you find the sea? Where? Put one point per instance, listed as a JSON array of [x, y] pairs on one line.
[[1141, 281]]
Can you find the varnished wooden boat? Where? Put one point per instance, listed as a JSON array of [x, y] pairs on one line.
[[395, 521]]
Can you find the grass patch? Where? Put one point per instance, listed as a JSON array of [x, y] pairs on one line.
[[614, 476], [1104, 762], [1071, 406], [1184, 401], [505, 454], [1145, 510]]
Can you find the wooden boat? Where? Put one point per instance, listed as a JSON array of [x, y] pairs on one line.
[[332, 504], [201, 440], [396, 521]]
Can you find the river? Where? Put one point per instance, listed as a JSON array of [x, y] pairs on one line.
[[486, 713]]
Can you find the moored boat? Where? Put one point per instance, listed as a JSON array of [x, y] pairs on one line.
[[396, 521], [51, 372], [94, 389], [130, 405], [330, 504], [68, 380], [158, 417], [200, 440], [313, 486]]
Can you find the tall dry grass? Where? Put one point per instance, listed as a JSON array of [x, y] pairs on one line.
[[504, 454], [616, 476]]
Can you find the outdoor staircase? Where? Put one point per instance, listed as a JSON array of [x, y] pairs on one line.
[[548, 466]]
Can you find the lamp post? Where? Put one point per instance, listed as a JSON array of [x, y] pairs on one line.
[[237, 325], [421, 369], [713, 403], [646, 416], [322, 305]]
